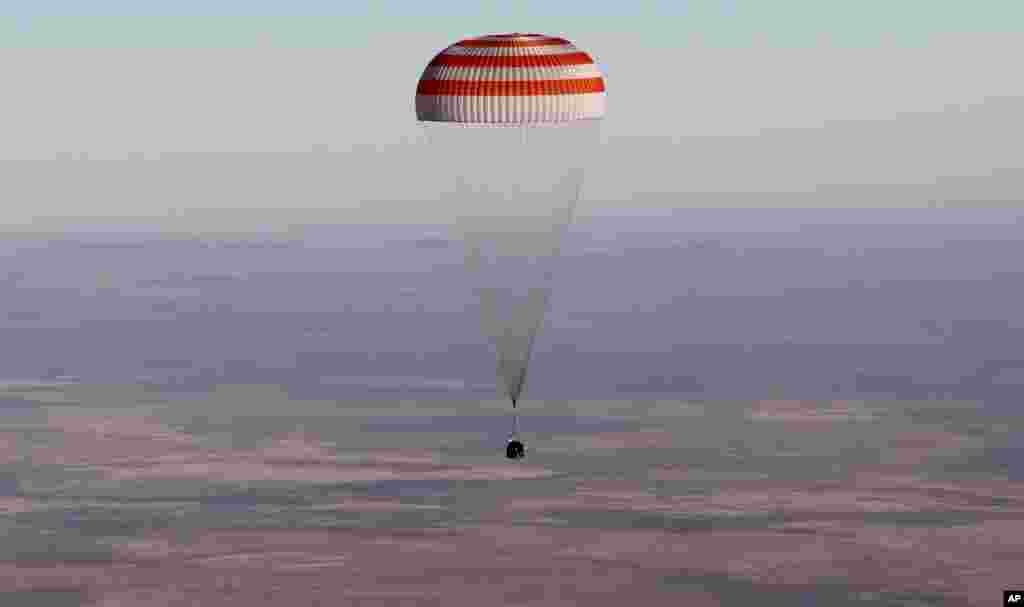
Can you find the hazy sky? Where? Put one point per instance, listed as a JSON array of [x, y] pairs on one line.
[[233, 76]]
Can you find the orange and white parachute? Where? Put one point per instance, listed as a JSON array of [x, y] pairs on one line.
[[511, 79], [516, 187]]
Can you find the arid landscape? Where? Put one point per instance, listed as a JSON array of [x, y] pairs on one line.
[[823, 415], [108, 502]]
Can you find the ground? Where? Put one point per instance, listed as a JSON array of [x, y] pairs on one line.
[[110, 496]]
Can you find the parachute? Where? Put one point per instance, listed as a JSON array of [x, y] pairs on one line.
[[512, 117]]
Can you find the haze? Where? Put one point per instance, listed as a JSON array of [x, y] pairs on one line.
[[907, 117]]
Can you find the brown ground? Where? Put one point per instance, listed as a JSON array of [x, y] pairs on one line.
[[599, 519]]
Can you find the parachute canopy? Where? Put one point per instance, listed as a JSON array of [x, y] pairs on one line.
[[511, 80]]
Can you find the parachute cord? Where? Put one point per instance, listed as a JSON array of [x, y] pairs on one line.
[[556, 253]]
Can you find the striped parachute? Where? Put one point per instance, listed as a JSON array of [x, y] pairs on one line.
[[512, 117]]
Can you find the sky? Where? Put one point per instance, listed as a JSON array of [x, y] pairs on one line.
[[699, 92]]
